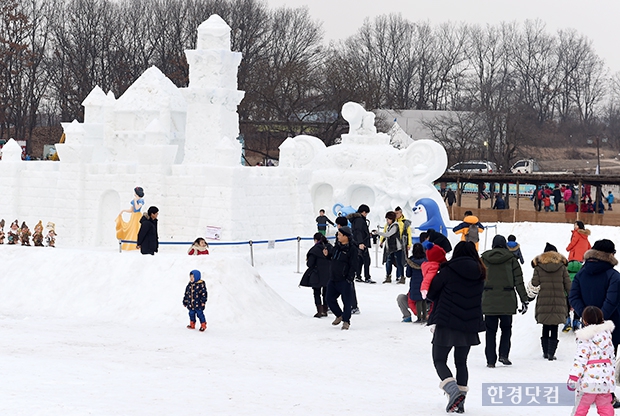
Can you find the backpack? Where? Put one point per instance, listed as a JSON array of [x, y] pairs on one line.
[[472, 234]]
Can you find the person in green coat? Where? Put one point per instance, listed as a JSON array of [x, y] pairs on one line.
[[551, 275], [499, 300]]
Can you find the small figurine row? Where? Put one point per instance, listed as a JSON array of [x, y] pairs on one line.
[[17, 234]]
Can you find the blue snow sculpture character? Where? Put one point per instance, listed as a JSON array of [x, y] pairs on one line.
[[434, 219], [340, 210]]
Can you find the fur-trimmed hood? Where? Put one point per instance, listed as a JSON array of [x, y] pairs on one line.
[[585, 232], [549, 257], [600, 256], [590, 331]]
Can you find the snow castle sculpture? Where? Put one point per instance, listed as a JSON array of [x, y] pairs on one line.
[[180, 145]]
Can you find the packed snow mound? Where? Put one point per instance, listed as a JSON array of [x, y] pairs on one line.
[[109, 286]]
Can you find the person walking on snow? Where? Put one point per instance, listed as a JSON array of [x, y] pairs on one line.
[[579, 242], [593, 371], [317, 274], [195, 300], [148, 239], [499, 301], [342, 273], [551, 276], [456, 293]]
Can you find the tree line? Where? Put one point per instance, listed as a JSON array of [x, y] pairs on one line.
[[506, 85]]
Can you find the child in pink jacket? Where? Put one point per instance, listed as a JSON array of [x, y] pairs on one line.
[[435, 255]]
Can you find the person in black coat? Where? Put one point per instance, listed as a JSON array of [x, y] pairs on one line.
[[317, 274], [439, 239], [598, 284], [148, 239], [361, 235], [341, 275], [456, 293]]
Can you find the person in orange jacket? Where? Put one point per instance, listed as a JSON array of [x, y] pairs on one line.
[[579, 243], [470, 222]]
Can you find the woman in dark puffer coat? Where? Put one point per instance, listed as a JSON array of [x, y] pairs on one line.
[[551, 275], [457, 313], [317, 275]]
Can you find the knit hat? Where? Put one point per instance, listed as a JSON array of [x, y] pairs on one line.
[[196, 274], [604, 245], [550, 247], [153, 210], [139, 191], [499, 241], [345, 231], [436, 253]]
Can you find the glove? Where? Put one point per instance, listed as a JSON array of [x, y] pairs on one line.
[[523, 308], [571, 383], [423, 293]]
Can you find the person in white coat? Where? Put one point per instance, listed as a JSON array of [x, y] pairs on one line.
[[593, 370]]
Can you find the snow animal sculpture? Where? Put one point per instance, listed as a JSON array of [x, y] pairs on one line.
[[434, 218], [340, 210], [364, 168]]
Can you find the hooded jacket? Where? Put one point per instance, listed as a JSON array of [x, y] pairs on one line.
[[515, 249], [598, 284], [434, 257], [195, 293], [578, 245], [594, 364], [551, 275], [456, 293], [463, 228], [318, 264], [148, 239], [504, 275], [414, 271]]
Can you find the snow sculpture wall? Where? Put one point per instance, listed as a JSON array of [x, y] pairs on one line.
[[180, 146]]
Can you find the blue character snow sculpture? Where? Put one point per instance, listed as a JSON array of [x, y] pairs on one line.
[[340, 210], [434, 219]]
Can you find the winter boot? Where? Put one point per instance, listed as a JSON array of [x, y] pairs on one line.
[[461, 407], [203, 326], [345, 326], [192, 325], [401, 280], [337, 320], [504, 360], [553, 345], [369, 280], [544, 342], [455, 396], [567, 326], [319, 311], [388, 279], [576, 324], [324, 310]]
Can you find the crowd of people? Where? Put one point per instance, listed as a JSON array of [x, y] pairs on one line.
[[549, 200], [462, 295]]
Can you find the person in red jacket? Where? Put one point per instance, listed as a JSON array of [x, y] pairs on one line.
[[199, 247], [579, 243]]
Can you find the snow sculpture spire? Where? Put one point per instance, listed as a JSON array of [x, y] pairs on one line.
[[212, 123]]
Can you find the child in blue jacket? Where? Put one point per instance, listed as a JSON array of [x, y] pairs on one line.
[[195, 300]]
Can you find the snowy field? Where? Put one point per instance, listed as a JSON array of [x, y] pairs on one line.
[[96, 332]]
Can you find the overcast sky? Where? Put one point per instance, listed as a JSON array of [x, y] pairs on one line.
[[599, 20]]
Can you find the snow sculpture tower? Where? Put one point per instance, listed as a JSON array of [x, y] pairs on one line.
[[212, 123]]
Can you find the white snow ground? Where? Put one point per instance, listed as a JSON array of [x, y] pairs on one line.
[[95, 332]]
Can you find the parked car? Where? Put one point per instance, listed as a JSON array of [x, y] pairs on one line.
[[525, 166], [482, 166]]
